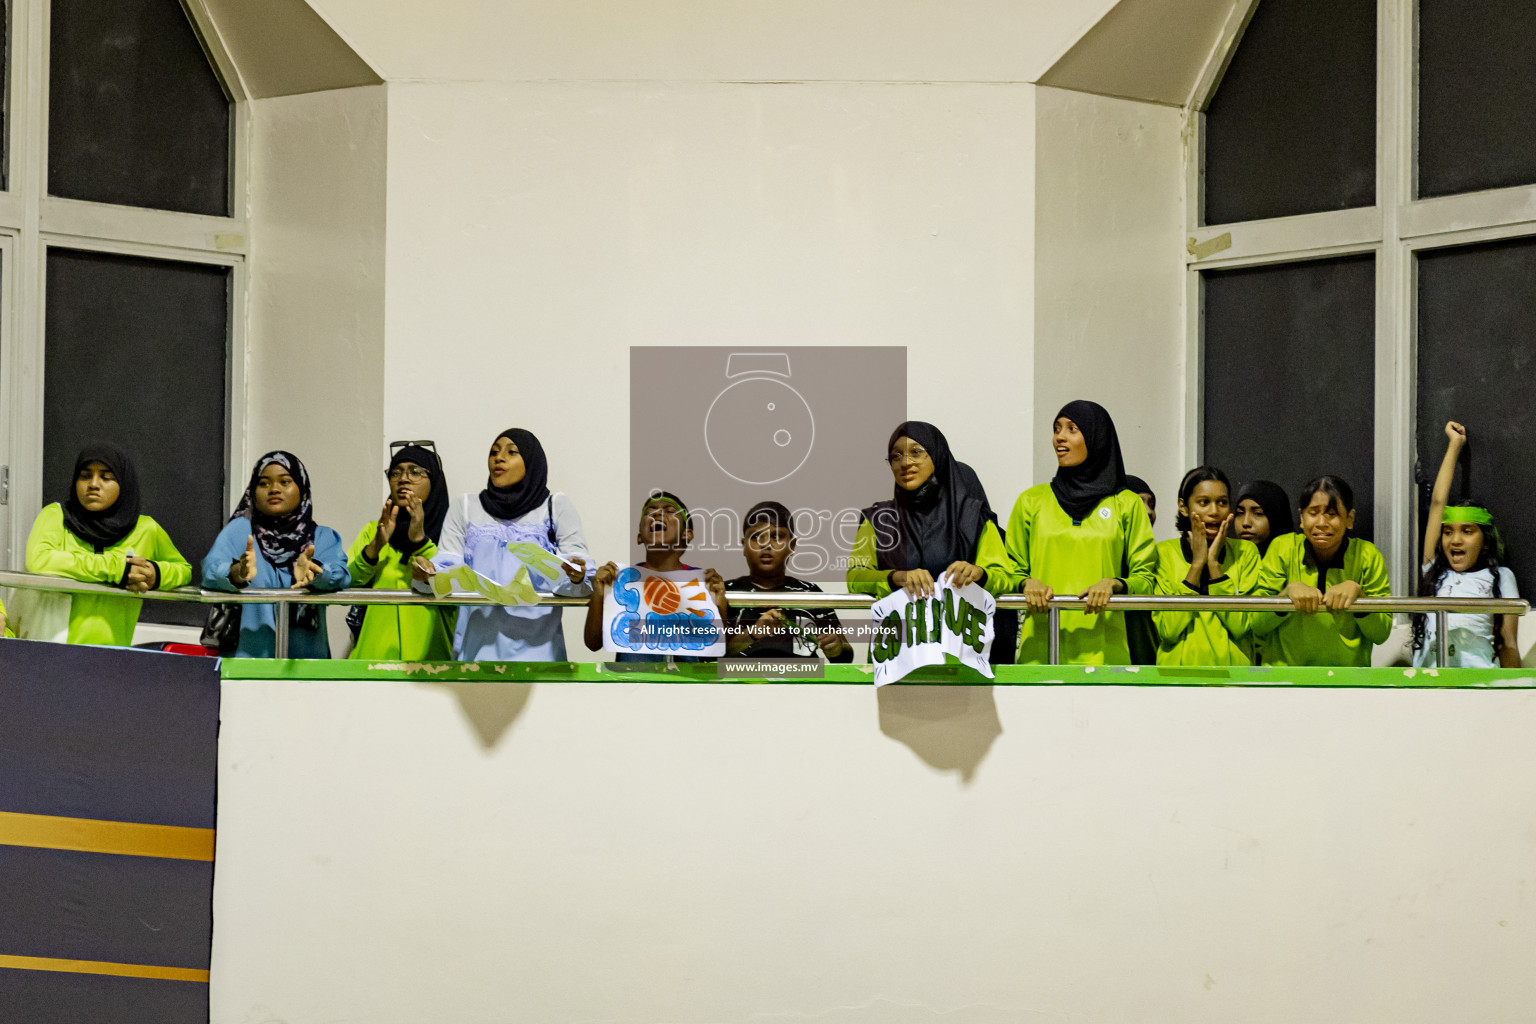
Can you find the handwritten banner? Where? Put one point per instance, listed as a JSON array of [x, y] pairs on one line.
[[649, 612], [953, 623]]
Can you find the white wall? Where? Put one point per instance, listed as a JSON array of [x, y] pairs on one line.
[[1109, 278], [315, 372], [566, 181], [536, 232], [408, 852]]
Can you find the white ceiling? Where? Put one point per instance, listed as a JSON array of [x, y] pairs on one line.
[[1150, 50], [282, 47]]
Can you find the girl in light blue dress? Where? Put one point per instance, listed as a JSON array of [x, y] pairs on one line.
[[272, 542], [515, 506]]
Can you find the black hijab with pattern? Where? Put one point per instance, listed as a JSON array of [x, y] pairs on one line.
[[281, 538]]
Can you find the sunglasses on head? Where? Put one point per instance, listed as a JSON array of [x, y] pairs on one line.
[[415, 473]]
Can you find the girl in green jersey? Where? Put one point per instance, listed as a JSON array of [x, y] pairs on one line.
[[1205, 561], [384, 557], [1085, 534], [1323, 570], [97, 535]]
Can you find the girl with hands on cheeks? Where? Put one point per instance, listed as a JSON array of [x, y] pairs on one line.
[[1082, 533], [97, 535], [1323, 568], [272, 542], [391, 551], [1205, 560], [937, 524]]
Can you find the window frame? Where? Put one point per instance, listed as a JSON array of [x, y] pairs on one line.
[[1395, 230], [32, 222]]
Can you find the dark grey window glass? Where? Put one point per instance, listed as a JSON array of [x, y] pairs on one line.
[[136, 354], [1476, 364], [136, 115], [1477, 95], [1289, 382], [1292, 127], [5, 96]]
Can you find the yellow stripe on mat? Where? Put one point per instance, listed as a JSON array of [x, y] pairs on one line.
[[91, 836], [45, 963]]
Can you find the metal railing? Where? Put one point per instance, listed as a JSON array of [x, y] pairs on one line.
[[1440, 607]]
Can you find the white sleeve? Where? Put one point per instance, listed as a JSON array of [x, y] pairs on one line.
[[572, 544], [1507, 585], [450, 546]]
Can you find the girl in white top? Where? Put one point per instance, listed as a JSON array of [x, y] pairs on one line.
[[516, 505], [1461, 559]]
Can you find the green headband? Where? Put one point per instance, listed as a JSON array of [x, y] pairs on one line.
[[1467, 514], [662, 499]]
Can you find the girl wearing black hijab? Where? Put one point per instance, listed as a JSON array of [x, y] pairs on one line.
[[272, 542], [938, 521], [95, 534], [516, 506], [382, 556], [1260, 513], [1084, 534]]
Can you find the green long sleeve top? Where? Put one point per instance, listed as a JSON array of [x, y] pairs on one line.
[[1206, 638], [93, 619], [406, 633], [865, 576], [1114, 541], [1323, 637]]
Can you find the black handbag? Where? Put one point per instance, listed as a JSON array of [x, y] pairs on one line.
[[222, 629]]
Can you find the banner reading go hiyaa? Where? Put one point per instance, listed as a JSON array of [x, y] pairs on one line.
[[649, 612], [916, 632]]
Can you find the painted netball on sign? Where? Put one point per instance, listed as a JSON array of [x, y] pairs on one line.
[[759, 429], [649, 612], [664, 597]]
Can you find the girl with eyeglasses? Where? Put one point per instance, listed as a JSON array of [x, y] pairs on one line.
[[936, 524], [384, 553]]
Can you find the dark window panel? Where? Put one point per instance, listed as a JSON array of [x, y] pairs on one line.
[[136, 354], [1292, 127], [1476, 358], [136, 115], [5, 96], [1477, 95], [1289, 386]]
